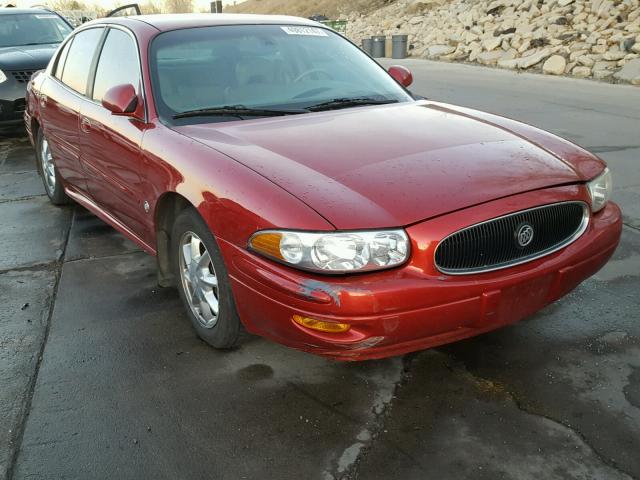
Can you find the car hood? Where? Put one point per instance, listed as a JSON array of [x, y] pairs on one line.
[[26, 57], [391, 165]]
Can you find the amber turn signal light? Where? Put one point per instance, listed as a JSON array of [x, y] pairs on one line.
[[267, 244], [321, 325]]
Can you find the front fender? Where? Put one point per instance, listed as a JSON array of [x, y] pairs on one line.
[[234, 201]]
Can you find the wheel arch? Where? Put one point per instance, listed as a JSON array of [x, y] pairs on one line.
[[168, 207], [35, 127]]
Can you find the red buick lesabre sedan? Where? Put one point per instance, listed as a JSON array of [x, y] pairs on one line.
[[290, 186]]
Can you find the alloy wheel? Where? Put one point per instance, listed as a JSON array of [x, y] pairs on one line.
[[199, 279], [48, 167]]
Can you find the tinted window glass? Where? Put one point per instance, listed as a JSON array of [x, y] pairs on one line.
[[118, 63], [32, 28], [262, 66], [79, 58], [61, 59]]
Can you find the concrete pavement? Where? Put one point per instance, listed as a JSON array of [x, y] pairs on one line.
[[116, 385]]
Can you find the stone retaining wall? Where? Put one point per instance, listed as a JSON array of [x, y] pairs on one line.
[[597, 39]]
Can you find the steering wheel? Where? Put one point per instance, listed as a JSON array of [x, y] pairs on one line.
[[311, 72]]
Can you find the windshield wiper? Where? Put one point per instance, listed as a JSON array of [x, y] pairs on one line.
[[237, 111], [338, 103]]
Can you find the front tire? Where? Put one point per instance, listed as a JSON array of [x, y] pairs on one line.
[[47, 170], [203, 282]]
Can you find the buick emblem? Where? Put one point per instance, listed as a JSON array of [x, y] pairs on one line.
[[524, 235]]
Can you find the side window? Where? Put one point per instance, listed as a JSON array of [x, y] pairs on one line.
[[79, 59], [61, 59], [118, 63]]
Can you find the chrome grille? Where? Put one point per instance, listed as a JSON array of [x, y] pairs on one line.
[[23, 76], [512, 239]]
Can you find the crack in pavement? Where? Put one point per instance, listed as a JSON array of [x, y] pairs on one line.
[[24, 414], [358, 452], [606, 461], [22, 199], [521, 406], [18, 172], [100, 257], [351, 458], [36, 267]]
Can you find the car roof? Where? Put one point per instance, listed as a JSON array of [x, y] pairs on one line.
[[14, 11], [164, 22]]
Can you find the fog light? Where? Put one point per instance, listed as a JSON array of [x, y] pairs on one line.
[[321, 325]]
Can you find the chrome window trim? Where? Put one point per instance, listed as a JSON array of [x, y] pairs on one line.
[[586, 215], [69, 89], [104, 26], [135, 41], [70, 39], [55, 58]]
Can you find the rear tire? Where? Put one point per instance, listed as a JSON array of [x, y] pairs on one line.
[[46, 168], [203, 282]]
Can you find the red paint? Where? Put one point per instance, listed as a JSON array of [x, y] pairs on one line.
[[60, 106], [121, 100], [426, 166], [382, 161]]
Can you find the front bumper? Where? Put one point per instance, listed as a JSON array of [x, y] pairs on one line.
[[415, 307], [12, 103]]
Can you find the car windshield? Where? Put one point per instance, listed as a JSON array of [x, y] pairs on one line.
[[32, 29], [275, 67]]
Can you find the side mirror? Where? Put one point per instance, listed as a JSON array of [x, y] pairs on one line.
[[401, 74], [121, 99]]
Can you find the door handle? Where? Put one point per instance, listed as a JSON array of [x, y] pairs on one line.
[[85, 125]]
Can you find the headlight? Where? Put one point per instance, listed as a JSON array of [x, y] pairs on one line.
[[600, 190], [334, 252], [3, 77]]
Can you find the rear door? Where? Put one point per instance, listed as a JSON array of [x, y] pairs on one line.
[[110, 144], [61, 97]]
